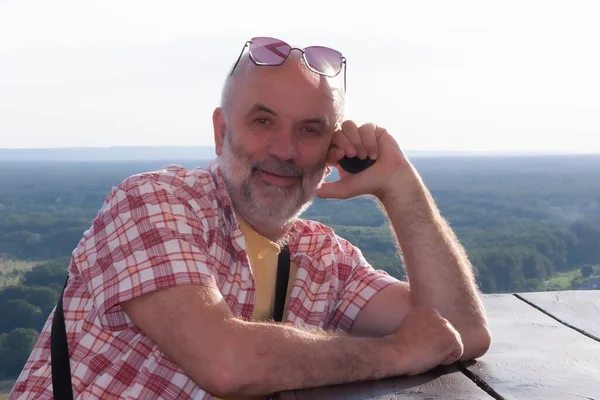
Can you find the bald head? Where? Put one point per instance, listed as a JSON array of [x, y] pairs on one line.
[[293, 77]]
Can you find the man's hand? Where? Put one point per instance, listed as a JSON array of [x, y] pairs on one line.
[[425, 340], [439, 271], [391, 166]]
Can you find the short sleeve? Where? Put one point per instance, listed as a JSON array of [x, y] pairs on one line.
[[144, 238], [359, 282]]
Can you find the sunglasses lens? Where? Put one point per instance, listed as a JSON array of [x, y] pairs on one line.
[[324, 60], [269, 51]]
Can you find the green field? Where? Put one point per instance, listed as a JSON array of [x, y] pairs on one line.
[[562, 280], [11, 271]]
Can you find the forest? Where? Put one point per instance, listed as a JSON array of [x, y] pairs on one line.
[[527, 222]]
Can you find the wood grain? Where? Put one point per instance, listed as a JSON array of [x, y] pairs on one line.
[[441, 383], [578, 308], [535, 357]]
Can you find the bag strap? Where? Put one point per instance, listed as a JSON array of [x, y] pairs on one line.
[[281, 284], [59, 354]]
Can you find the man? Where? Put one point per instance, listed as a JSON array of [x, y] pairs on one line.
[[170, 291]]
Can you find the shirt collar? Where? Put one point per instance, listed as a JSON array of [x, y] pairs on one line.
[[223, 196]]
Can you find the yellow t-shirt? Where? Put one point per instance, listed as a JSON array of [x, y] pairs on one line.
[[263, 255]]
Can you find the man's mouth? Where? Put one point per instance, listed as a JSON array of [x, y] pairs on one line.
[[277, 179]]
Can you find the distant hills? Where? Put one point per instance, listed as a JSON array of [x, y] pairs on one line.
[[144, 153], [117, 153]]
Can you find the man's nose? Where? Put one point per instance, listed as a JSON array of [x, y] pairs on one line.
[[282, 144]]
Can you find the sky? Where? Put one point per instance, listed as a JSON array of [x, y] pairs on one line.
[[510, 76]]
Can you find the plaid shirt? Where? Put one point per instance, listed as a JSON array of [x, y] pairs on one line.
[[174, 227]]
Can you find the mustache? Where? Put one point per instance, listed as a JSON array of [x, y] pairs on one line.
[[279, 167]]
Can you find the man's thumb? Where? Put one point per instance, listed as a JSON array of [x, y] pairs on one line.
[[334, 190]]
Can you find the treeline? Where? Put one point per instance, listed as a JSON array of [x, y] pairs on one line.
[[521, 219], [45, 207], [25, 308], [512, 254]]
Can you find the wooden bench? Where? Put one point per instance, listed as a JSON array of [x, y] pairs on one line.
[[545, 345]]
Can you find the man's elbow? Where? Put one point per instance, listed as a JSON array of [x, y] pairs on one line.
[[230, 375], [477, 343], [221, 380]]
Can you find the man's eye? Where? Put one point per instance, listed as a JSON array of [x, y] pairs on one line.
[[311, 130], [263, 121]]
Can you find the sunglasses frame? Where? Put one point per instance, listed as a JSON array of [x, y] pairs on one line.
[[249, 42]]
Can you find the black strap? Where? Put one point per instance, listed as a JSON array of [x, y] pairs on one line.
[[281, 284], [59, 354]]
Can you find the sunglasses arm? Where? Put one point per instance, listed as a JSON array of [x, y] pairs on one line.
[[239, 58], [345, 70]]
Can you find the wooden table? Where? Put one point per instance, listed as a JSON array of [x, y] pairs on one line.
[[545, 345]]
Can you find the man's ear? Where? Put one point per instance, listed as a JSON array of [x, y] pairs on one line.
[[219, 127]]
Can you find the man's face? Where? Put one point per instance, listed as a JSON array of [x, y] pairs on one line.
[[278, 130]]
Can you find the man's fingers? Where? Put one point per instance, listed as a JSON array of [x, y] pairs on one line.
[[347, 187], [367, 132], [341, 141], [457, 348], [352, 133], [335, 155], [455, 355], [334, 190]]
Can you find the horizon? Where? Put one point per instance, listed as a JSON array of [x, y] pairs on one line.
[[424, 150], [439, 76], [208, 146]]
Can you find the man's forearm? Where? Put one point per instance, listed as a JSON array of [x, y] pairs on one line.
[[267, 358], [437, 266]]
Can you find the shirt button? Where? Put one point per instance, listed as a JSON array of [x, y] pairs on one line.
[[260, 255]]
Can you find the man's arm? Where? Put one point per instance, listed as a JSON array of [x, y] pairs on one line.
[[384, 312], [439, 272], [227, 356]]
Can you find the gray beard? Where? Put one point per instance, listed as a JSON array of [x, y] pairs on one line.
[[256, 205]]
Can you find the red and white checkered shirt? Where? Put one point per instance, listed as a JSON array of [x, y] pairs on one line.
[[175, 227]]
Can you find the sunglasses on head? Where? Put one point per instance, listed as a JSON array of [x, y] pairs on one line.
[[270, 51]]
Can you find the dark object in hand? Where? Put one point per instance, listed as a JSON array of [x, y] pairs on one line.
[[354, 165]]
